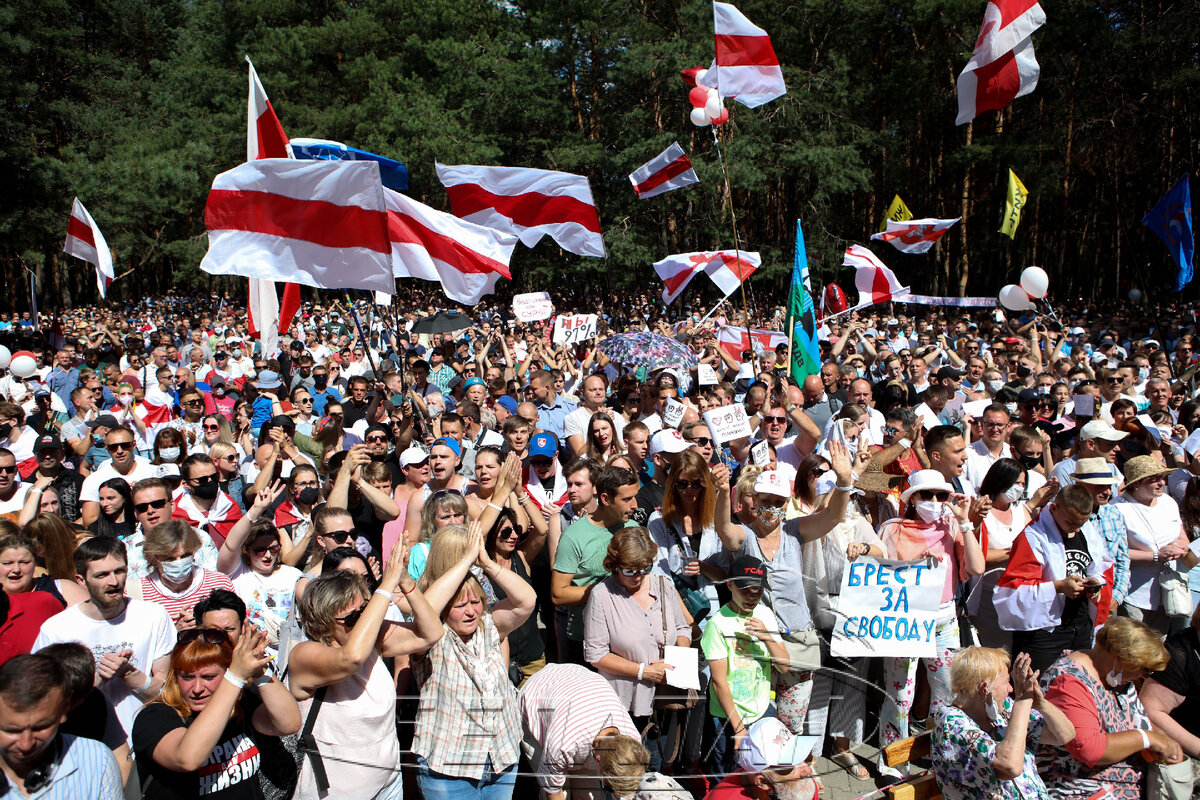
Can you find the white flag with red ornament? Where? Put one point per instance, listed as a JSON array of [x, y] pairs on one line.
[[528, 203], [84, 241], [735, 341], [746, 68], [670, 169], [729, 268], [876, 283], [915, 235], [677, 272], [432, 245], [1003, 66], [318, 223]]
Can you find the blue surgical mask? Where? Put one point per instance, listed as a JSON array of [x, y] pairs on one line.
[[1143, 373], [178, 570], [168, 453]]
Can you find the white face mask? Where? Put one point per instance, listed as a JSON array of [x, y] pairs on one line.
[[1115, 677], [930, 510], [168, 453], [989, 707], [1143, 373], [1015, 493], [1012, 407], [176, 571], [995, 386], [126, 399]]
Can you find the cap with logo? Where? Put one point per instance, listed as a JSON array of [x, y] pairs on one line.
[[543, 445], [668, 441]]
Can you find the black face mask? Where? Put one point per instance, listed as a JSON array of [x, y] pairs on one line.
[[1029, 462], [320, 381], [1023, 372], [5, 430], [308, 495], [207, 491]]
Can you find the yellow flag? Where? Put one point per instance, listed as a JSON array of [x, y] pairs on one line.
[[897, 212], [1017, 194]]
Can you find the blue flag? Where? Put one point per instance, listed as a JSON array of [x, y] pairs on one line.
[[801, 317], [393, 173], [1171, 221]]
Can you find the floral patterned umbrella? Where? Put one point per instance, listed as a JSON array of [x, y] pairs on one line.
[[650, 350]]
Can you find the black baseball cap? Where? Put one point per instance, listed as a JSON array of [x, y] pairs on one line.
[[47, 442], [748, 572]]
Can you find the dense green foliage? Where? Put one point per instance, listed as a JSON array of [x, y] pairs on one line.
[[134, 105]]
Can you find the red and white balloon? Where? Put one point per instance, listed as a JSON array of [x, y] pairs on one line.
[[708, 107]]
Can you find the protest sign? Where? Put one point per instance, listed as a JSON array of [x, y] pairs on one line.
[[533, 306], [728, 423], [760, 454], [673, 413], [574, 328], [888, 608], [706, 375]]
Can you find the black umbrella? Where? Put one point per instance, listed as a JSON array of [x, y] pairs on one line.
[[441, 322]]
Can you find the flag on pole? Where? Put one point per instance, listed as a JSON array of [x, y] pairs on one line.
[[724, 267], [876, 283], [669, 170], [1003, 66], [393, 173], [432, 245], [897, 212], [1017, 194], [320, 223], [735, 341], [84, 241], [746, 68], [801, 324], [1171, 221], [264, 135], [916, 235], [728, 269], [528, 203], [263, 304], [677, 272]]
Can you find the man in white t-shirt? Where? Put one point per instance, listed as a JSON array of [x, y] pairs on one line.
[[131, 639], [122, 464], [12, 491]]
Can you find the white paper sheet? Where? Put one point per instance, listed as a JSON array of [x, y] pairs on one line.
[[686, 663]]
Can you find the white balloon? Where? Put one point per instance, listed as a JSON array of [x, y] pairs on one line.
[[5, 357], [1035, 282], [23, 366], [713, 106], [1013, 298], [699, 117], [700, 76]]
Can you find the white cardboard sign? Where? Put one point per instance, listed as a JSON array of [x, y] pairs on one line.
[[888, 608], [574, 328], [533, 306], [673, 414], [728, 423]]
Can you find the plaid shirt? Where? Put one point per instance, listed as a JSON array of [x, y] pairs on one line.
[[1111, 525], [468, 709]]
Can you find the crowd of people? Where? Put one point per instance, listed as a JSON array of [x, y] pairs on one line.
[[452, 559]]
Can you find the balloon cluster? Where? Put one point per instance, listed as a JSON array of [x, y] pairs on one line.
[[707, 106], [1034, 285]]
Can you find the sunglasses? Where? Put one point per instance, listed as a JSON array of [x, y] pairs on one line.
[[703, 441], [351, 619], [776, 420], [305, 400], [376, 439], [212, 427], [210, 635], [443, 492], [8, 470], [272, 549], [934, 495], [684, 486], [141, 508], [203, 480], [340, 536], [540, 462], [630, 573], [118, 446], [193, 402]]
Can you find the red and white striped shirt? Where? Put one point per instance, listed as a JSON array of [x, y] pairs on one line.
[[203, 583]]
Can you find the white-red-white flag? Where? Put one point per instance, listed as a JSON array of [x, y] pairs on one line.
[[876, 283], [1003, 66], [528, 203], [85, 241], [746, 68], [729, 268], [735, 341], [915, 235], [264, 134], [677, 272], [318, 223], [432, 245], [670, 169]]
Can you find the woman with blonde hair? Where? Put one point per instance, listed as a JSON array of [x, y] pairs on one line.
[[684, 531], [198, 735], [1097, 689], [175, 581], [216, 429], [443, 508], [229, 474]]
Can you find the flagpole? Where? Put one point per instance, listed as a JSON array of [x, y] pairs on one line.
[[737, 243], [710, 313]]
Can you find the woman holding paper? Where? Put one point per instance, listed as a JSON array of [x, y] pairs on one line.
[[630, 617]]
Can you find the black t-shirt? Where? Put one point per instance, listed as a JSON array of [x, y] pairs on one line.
[[649, 499], [95, 718], [1182, 676], [230, 773], [1078, 561], [367, 524]]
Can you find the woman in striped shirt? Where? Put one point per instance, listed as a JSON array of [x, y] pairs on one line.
[[176, 582]]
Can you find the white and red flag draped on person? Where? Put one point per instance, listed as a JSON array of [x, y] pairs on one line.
[[876, 283], [528, 203], [265, 139], [216, 522], [432, 245], [724, 267], [671, 169], [84, 241], [746, 68], [735, 341], [1003, 66], [318, 223], [915, 235]]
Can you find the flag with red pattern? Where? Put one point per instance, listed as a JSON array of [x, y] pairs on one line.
[[746, 68], [84, 241], [915, 235], [876, 283], [671, 169], [1003, 66]]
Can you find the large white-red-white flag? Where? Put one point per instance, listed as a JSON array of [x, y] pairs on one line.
[[724, 267], [432, 245], [528, 203], [746, 68], [85, 241], [876, 283], [735, 341], [319, 223], [1003, 66], [670, 169], [677, 272], [915, 235]]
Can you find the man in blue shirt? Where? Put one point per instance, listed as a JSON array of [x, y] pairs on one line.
[[552, 409]]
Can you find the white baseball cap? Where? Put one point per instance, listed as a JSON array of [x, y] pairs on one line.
[[770, 744], [1099, 429], [772, 482], [669, 440], [413, 455]]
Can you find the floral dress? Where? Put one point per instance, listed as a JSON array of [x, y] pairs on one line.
[[1069, 777], [962, 754]]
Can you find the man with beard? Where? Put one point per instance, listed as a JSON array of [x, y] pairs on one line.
[[377, 439], [131, 639]]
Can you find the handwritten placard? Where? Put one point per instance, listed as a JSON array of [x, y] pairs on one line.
[[532, 306], [888, 608], [728, 423], [706, 375], [760, 454], [673, 414], [574, 328]]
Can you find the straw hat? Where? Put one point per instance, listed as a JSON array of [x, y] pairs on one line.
[[1139, 468], [874, 479]]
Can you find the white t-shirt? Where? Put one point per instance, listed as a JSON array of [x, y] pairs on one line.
[[143, 628], [12, 506], [1150, 528], [90, 492], [266, 595]]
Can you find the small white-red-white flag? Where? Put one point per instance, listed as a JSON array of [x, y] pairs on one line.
[[528, 203], [264, 134], [85, 241], [729, 268], [432, 245], [725, 268], [746, 68], [915, 235], [677, 272], [876, 283], [319, 223], [735, 341], [1003, 66], [670, 169]]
